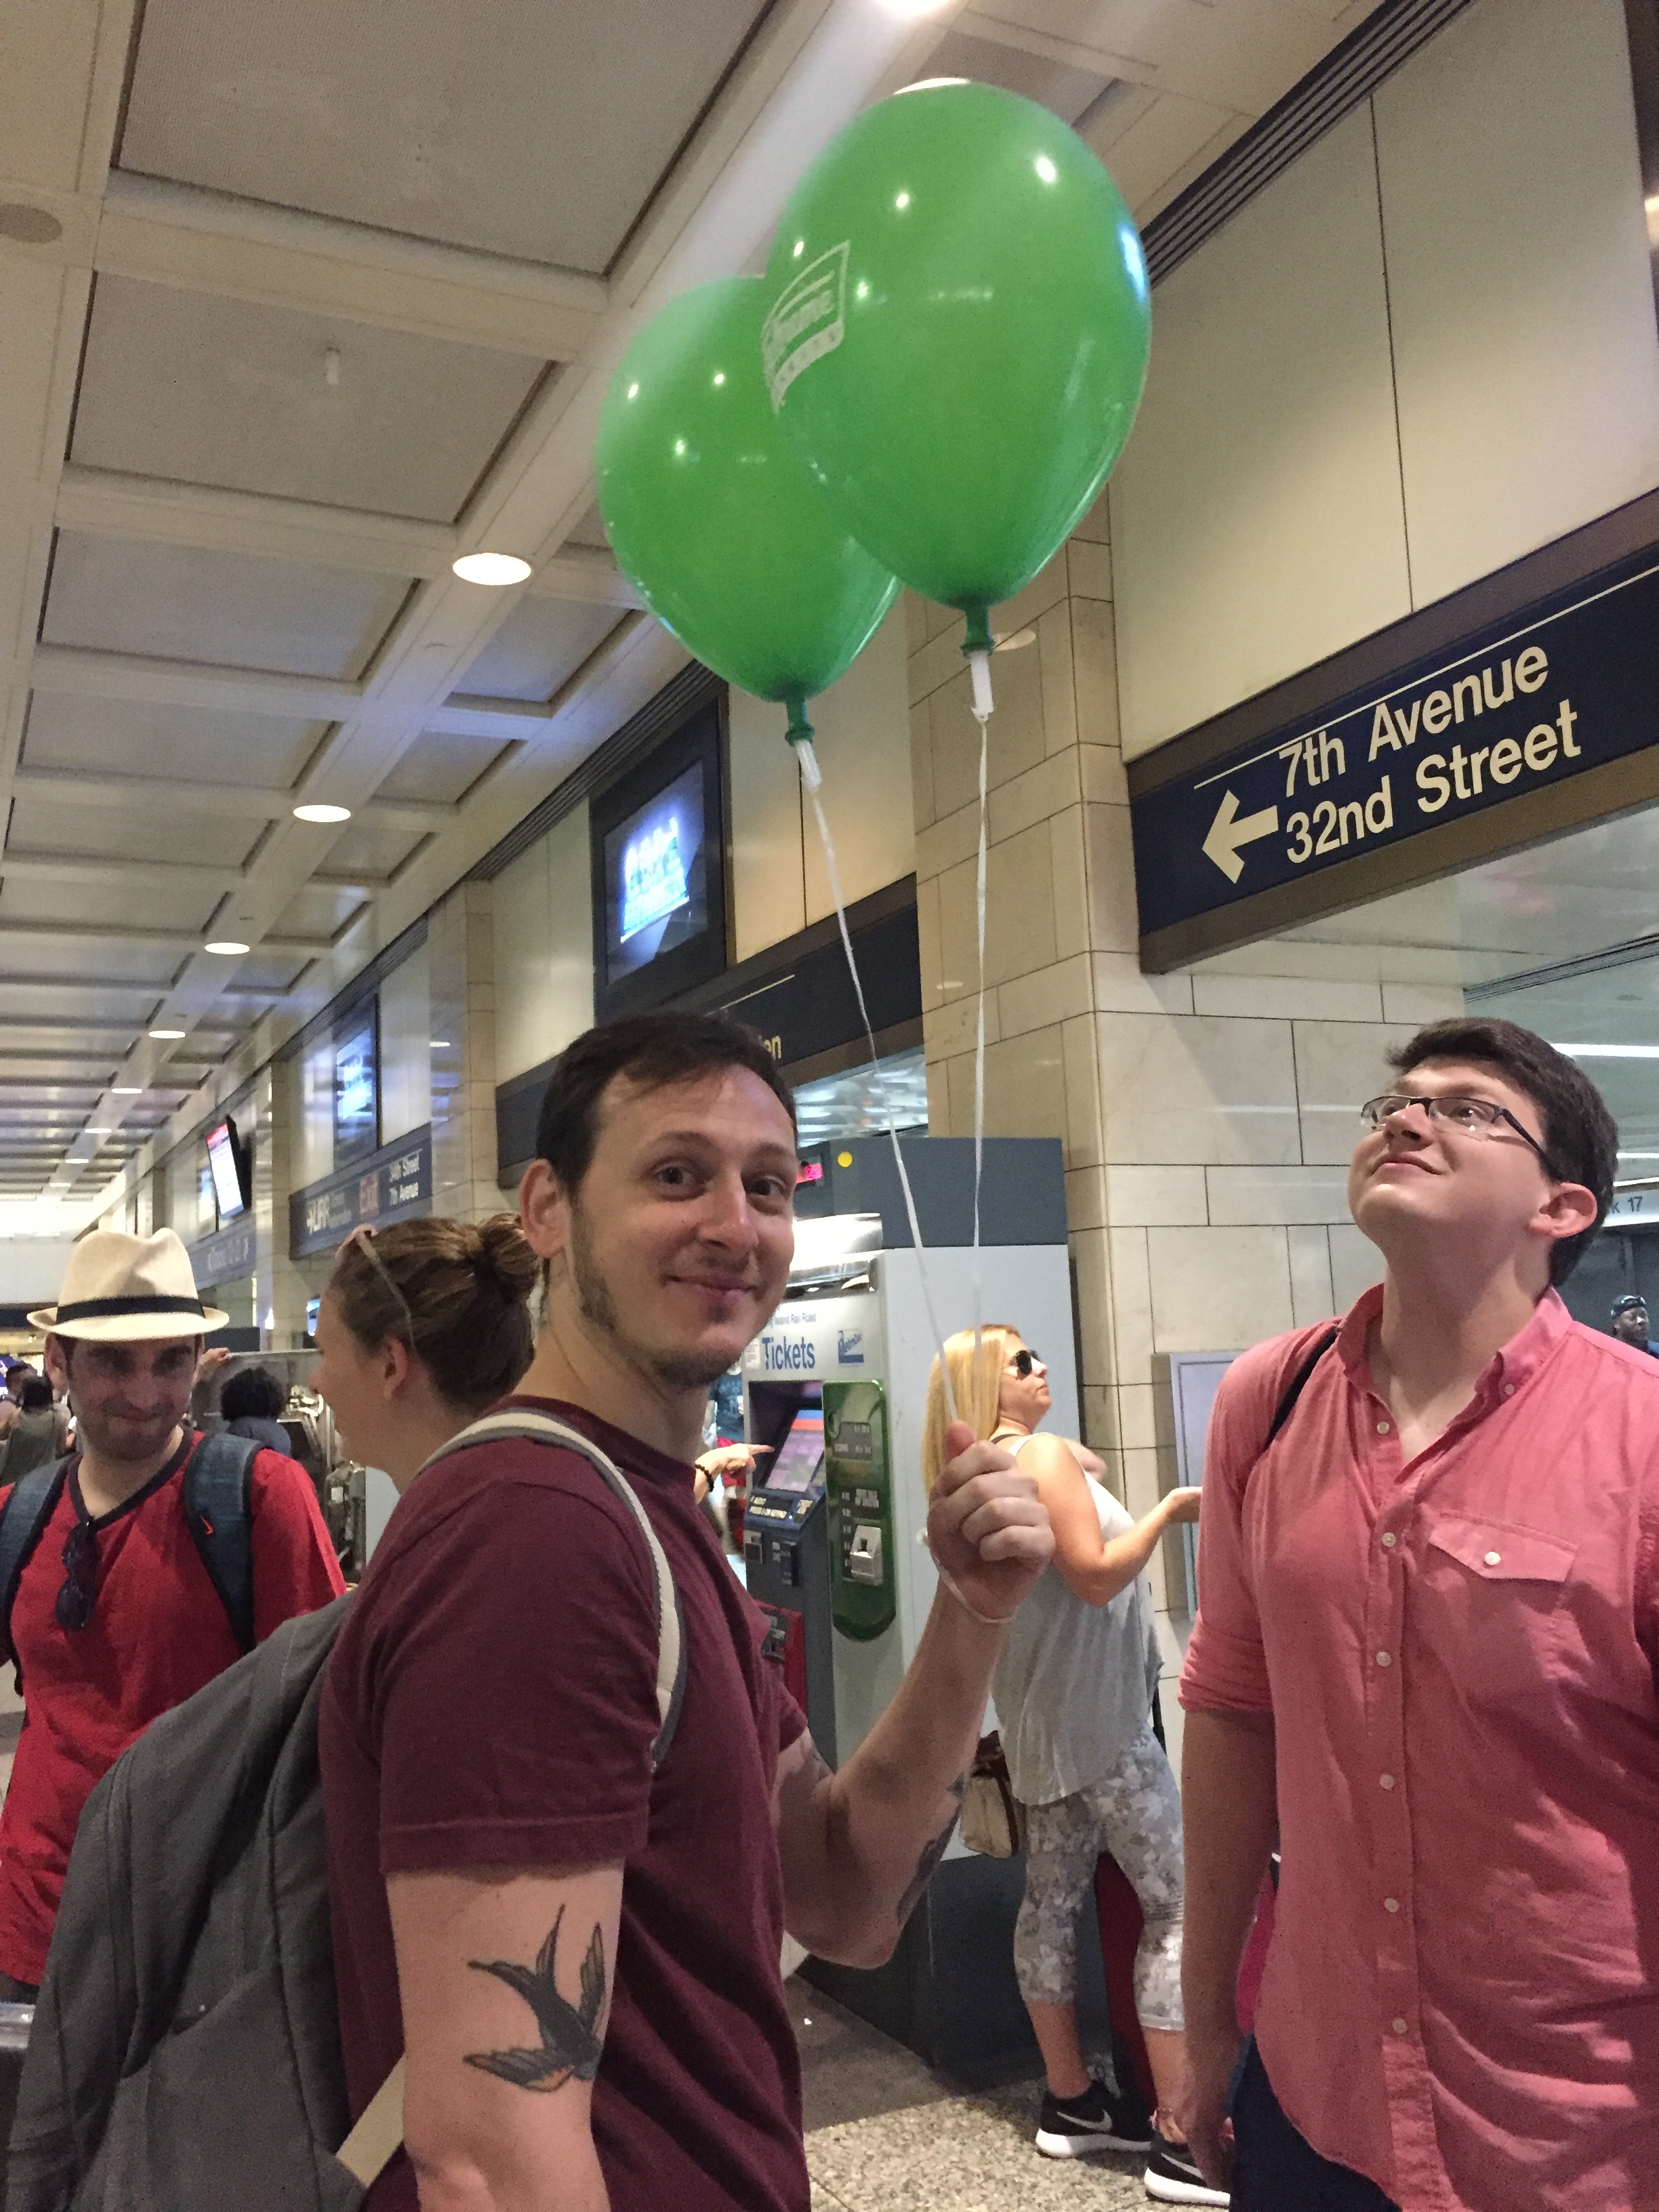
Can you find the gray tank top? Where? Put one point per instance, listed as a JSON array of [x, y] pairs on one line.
[[1074, 1685]]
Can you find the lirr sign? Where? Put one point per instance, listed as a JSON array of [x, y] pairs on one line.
[[1527, 702]]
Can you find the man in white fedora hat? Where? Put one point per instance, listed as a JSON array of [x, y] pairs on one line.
[[134, 1572]]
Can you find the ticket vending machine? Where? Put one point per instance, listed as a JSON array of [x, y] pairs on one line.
[[849, 1351], [786, 1547]]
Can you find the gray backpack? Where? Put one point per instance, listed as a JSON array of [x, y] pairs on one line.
[[185, 2052]]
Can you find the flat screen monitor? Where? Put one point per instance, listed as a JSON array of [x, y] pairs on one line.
[[313, 1307], [657, 868], [788, 1416], [228, 1167], [356, 1093]]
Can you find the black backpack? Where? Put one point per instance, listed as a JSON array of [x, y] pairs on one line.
[[186, 2055], [218, 1510]]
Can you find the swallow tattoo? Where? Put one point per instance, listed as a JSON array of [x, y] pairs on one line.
[[571, 2035]]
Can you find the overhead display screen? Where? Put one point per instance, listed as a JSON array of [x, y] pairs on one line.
[[356, 1094], [657, 878], [226, 1167]]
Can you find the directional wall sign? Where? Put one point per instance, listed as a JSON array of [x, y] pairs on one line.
[[1518, 708]]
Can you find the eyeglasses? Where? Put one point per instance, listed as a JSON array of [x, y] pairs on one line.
[[363, 1240], [1470, 1117], [80, 1591], [1023, 1361]]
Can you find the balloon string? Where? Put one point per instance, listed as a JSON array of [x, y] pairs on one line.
[[979, 664], [812, 776]]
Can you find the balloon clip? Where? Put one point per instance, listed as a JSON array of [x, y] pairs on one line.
[[979, 664], [976, 636], [799, 735]]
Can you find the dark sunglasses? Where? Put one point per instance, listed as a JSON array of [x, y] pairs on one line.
[[80, 1591], [1025, 1360]]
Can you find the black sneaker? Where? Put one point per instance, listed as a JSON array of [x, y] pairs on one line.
[[1095, 2120], [1173, 2178]]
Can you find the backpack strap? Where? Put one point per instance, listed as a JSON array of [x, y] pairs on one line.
[[543, 1428], [29, 1506], [1298, 1383], [377, 2133], [219, 1512]]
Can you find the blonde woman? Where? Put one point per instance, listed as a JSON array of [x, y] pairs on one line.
[[1073, 1693]]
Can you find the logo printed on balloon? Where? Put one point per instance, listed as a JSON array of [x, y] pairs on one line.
[[820, 291]]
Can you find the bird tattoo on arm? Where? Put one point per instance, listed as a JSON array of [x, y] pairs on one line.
[[572, 2035]]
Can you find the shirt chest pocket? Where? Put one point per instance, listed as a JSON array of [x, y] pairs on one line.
[[1489, 1603]]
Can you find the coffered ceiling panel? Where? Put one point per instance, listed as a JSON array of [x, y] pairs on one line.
[[112, 899], [90, 1002], [535, 128], [132, 737], [1069, 89], [442, 768], [206, 390], [47, 955], [318, 910], [374, 848], [132, 832], [542, 644], [227, 610]]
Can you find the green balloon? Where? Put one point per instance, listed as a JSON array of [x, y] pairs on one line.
[[957, 334], [726, 536]]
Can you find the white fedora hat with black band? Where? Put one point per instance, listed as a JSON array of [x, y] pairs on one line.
[[129, 1289]]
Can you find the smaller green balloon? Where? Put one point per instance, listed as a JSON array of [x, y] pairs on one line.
[[721, 528]]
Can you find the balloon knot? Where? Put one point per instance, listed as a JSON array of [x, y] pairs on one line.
[[977, 637]]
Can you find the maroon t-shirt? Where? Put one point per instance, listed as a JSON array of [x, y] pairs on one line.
[[492, 1702]]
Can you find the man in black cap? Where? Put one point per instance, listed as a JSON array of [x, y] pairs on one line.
[[1629, 1322]]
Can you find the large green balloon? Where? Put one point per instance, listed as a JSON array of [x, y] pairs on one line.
[[712, 516], [957, 334]]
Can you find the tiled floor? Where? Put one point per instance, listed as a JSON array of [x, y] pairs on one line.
[[883, 2134]]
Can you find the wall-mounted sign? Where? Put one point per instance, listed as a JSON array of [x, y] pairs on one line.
[[396, 1182], [225, 1257], [1517, 708]]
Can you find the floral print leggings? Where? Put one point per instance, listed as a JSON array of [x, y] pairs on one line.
[[1134, 1813]]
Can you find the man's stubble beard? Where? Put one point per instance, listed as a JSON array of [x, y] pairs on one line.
[[598, 1308]]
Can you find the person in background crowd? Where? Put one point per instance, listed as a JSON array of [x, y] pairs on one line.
[[1073, 1693], [38, 1436], [423, 1327], [577, 1952], [251, 1402], [1425, 1662], [114, 1618], [18, 1375], [1629, 1322]]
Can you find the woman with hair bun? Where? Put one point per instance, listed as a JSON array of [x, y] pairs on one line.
[[423, 1327]]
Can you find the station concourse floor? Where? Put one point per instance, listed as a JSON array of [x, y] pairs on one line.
[[884, 2134]]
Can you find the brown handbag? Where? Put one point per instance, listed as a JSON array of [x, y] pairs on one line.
[[992, 1818]]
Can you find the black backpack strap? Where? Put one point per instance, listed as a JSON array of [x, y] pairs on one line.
[[219, 1511], [543, 1428], [1298, 1382], [29, 1505]]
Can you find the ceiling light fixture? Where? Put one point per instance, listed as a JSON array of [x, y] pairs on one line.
[[1014, 641], [166, 1036], [227, 948], [1610, 1051], [322, 814], [126, 1091], [492, 568]]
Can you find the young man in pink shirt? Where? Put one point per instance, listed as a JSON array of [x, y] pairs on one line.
[[1424, 1666]]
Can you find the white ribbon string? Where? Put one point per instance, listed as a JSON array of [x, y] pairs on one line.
[[979, 663], [812, 776]]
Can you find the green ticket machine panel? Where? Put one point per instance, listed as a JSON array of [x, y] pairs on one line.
[[858, 1479]]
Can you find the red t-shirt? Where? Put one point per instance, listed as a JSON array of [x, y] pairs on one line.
[[492, 1702], [159, 1632]]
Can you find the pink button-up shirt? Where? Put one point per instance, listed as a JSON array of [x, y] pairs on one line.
[[1461, 2000]]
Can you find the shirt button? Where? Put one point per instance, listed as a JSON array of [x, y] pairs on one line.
[[1387, 1781], [1384, 1660], [1508, 1390], [1494, 1558], [1391, 1904], [1382, 1428], [1400, 2027], [1391, 1539]]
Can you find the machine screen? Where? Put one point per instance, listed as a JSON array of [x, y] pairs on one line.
[[788, 1416]]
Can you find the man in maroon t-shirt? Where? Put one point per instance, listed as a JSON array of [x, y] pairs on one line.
[[578, 1958], [115, 1619]]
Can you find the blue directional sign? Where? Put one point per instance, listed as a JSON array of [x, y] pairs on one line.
[[1534, 699]]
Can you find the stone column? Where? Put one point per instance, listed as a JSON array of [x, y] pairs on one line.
[[460, 947], [1207, 1115]]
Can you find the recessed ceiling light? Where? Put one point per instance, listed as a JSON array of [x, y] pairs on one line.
[[440, 1044], [126, 1091], [1610, 1051], [490, 569], [1014, 641], [322, 814], [166, 1036], [100, 1132], [226, 947]]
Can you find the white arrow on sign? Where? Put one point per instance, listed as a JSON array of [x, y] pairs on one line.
[[1228, 833]]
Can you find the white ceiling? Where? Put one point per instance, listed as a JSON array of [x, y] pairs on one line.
[[332, 295]]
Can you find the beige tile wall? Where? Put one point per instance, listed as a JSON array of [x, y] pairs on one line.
[[1207, 1116], [461, 950]]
